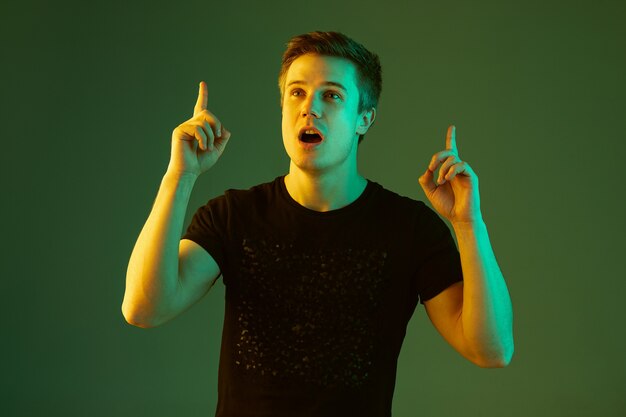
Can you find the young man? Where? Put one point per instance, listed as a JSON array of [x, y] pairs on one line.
[[323, 268]]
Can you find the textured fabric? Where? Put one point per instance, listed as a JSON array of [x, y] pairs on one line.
[[317, 303]]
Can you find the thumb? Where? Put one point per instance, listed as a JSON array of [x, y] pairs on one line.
[[223, 139], [427, 183]]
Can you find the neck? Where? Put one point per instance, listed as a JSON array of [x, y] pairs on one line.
[[324, 191]]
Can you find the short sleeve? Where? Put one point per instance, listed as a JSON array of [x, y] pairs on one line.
[[440, 266], [207, 228]]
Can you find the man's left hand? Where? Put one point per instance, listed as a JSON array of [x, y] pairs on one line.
[[455, 194]]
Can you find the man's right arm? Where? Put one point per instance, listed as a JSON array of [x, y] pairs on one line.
[[166, 275]]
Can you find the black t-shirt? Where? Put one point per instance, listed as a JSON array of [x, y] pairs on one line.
[[317, 303]]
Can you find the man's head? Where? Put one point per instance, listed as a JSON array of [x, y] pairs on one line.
[[365, 66]]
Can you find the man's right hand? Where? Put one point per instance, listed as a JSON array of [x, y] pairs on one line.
[[197, 143]]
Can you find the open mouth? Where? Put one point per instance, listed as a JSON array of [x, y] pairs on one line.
[[310, 138]]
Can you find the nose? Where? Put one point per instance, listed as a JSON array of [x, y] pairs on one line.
[[310, 108]]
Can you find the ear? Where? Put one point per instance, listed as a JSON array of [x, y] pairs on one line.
[[365, 121]]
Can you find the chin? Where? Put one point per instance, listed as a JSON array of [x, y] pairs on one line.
[[303, 163]]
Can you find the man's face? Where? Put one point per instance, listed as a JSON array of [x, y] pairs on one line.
[[309, 101]]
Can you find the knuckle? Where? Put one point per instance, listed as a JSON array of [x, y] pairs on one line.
[[201, 114]]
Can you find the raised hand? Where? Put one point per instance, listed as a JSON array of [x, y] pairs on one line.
[[198, 143], [455, 193]]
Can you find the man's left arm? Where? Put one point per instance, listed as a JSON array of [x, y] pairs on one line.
[[487, 314], [475, 317]]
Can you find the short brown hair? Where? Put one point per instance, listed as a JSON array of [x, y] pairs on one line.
[[337, 44]]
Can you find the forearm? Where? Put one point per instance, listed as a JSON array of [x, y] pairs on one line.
[[152, 274], [487, 315]]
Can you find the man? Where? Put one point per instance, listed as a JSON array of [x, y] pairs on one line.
[[323, 268]]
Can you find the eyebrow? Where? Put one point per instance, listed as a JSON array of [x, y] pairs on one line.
[[333, 83]]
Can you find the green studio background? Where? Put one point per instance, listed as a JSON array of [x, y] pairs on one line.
[[92, 91]]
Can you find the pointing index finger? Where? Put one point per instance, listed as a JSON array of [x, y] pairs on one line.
[[203, 95], [451, 139]]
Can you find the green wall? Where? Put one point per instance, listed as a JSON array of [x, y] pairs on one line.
[[92, 91]]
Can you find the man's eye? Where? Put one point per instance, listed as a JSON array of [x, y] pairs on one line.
[[336, 96]]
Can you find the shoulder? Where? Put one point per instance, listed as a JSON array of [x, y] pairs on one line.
[[388, 194], [239, 195], [392, 199], [425, 220]]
